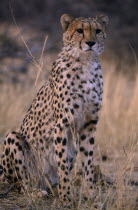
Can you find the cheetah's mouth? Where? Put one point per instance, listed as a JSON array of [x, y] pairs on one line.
[[89, 49]]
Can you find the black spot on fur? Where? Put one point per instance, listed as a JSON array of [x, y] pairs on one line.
[[76, 106], [90, 122], [65, 180], [12, 141], [58, 140], [20, 147], [86, 153], [82, 149], [68, 100], [1, 170], [6, 151], [20, 162], [68, 76], [12, 155], [60, 154], [63, 167], [17, 144], [64, 142], [65, 120], [89, 162], [72, 111], [68, 65], [91, 140], [83, 137], [10, 171], [91, 153], [9, 140]]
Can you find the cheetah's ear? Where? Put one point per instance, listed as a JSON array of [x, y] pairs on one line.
[[103, 19], [65, 21]]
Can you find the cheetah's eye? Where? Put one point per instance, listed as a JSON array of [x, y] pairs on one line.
[[80, 30], [98, 31]]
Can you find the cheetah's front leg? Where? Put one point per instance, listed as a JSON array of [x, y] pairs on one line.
[[62, 162], [86, 149]]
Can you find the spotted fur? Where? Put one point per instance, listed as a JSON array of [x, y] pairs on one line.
[[67, 105]]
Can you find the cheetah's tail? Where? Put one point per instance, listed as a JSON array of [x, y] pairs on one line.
[[2, 178]]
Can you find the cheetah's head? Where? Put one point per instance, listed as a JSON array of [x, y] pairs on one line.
[[84, 35]]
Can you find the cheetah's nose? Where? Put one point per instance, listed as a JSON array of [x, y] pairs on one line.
[[90, 43]]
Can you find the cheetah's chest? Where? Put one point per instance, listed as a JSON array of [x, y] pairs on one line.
[[91, 86]]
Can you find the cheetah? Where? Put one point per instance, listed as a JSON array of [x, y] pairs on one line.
[[63, 117]]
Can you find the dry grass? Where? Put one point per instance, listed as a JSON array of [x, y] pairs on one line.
[[116, 142]]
